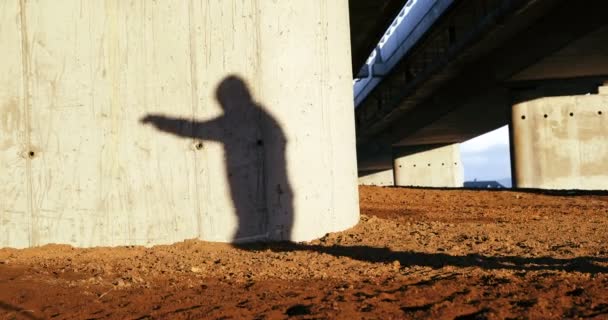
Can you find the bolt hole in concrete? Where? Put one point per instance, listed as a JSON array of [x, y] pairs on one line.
[[429, 164], [32, 154], [523, 117], [545, 116], [199, 146], [572, 114], [443, 163], [414, 166], [599, 112]]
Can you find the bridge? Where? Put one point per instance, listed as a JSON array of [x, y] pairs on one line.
[[482, 65], [145, 123]]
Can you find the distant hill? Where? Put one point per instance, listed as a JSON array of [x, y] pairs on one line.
[[488, 184]]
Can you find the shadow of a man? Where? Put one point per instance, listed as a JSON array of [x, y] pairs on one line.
[[256, 168]]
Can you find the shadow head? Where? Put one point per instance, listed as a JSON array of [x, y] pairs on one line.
[[233, 93]]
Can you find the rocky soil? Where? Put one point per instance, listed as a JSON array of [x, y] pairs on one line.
[[417, 253]]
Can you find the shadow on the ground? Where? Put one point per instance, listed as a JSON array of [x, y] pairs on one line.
[[439, 260], [17, 312]]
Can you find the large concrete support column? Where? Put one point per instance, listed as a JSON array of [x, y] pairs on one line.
[[561, 142], [382, 178], [428, 166], [150, 122]]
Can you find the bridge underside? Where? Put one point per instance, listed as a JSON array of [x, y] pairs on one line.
[[368, 22], [479, 60]]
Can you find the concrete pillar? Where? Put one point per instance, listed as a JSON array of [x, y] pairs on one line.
[[150, 122], [561, 142], [382, 178], [428, 166]]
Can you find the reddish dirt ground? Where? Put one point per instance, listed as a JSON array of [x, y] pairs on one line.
[[417, 253]]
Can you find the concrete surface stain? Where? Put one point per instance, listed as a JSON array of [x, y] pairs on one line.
[[10, 123]]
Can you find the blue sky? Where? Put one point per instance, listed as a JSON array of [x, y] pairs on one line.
[[486, 157]]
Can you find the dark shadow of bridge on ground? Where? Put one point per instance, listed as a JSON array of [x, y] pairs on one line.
[[438, 260]]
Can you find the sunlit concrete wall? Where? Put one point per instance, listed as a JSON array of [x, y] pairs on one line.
[[79, 167], [428, 166], [383, 178], [561, 142]]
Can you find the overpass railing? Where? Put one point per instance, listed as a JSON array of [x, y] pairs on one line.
[[410, 25]]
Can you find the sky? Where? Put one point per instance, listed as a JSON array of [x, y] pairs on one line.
[[486, 157]]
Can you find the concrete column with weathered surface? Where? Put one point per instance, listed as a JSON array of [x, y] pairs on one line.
[[428, 166], [150, 122], [382, 178], [561, 142]]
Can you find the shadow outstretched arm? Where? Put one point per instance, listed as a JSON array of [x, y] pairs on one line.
[[177, 126], [183, 127]]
